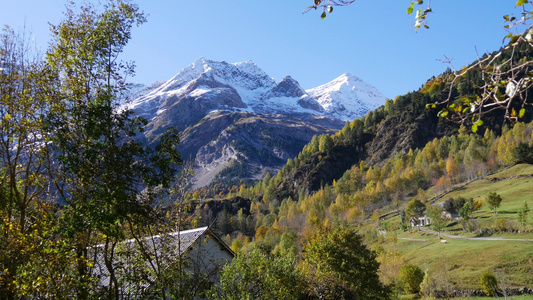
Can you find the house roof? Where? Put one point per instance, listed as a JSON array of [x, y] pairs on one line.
[[162, 246]]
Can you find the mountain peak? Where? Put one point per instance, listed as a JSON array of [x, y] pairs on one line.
[[347, 97], [199, 63]]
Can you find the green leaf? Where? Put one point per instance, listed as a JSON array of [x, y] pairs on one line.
[[521, 113], [420, 2], [521, 2], [410, 8], [474, 128], [323, 16], [479, 123]]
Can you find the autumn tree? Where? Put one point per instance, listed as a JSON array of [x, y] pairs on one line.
[[451, 168], [99, 169], [24, 83]]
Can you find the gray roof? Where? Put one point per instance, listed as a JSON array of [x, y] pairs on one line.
[[166, 247]]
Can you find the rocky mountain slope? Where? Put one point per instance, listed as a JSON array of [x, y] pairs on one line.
[[237, 122]]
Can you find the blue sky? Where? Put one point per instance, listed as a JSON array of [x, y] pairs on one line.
[[371, 39]]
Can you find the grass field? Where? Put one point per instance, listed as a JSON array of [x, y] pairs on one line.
[[513, 189], [465, 260], [461, 260]]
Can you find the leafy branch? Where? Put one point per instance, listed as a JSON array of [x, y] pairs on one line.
[[327, 5], [506, 79]]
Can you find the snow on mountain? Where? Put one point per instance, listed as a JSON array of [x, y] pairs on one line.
[[347, 97], [252, 90], [234, 114]]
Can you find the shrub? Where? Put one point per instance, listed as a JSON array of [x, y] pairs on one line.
[[410, 277], [488, 283], [428, 286]]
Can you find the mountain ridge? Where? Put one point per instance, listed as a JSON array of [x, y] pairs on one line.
[[233, 115], [261, 94]]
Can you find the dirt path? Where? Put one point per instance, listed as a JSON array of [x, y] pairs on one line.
[[473, 238]]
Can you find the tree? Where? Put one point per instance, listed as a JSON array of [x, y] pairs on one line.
[[24, 214], [259, 276], [451, 168], [415, 209], [325, 143], [339, 266], [288, 245], [410, 277], [468, 208], [523, 214], [523, 153], [435, 213], [453, 206], [99, 169], [493, 200], [170, 275], [488, 283]]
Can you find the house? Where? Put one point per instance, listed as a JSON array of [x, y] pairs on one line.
[[192, 258], [420, 221], [425, 220]]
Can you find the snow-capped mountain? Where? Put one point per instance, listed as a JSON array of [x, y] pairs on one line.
[[250, 89], [238, 121], [347, 97]]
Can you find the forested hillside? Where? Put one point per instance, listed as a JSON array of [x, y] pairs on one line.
[[370, 170], [407, 122]]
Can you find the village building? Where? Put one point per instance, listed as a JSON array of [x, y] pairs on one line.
[[194, 255]]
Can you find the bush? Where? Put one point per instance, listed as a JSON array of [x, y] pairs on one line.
[[410, 277], [488, 283], [504, 225], [428, 286]]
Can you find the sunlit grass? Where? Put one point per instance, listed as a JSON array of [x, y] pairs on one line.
[[464, 260]]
